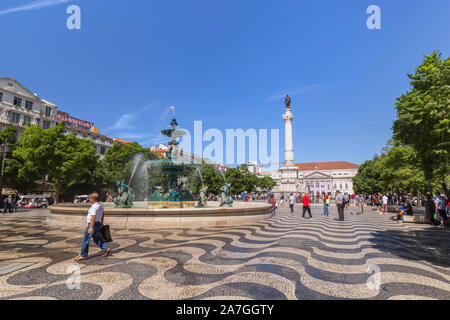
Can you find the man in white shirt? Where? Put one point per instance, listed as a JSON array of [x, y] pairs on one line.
[[95, 222], [291, 202], [385, 204], [340, 205]]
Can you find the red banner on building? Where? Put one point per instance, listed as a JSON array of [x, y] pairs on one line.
[[61, 116]]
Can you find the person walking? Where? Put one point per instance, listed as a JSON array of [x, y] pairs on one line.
[[326, 204], [282, 200], [291, 202], [7, 204], [384, 208], [15, 199], [362, 200], [273, 202], [441, 208], [340, 205], [95, 219], [346, 200], [306, 205]]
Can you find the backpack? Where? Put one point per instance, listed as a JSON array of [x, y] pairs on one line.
[[345, 200]]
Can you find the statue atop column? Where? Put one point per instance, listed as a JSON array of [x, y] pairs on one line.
[[288, 102]]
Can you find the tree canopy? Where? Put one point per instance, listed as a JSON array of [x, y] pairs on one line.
[[367, 181], [423, 117], [68, 162]]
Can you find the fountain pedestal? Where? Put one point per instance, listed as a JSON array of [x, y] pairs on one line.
[[171, 204]]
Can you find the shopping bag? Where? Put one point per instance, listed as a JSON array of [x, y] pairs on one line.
[[105, 234]]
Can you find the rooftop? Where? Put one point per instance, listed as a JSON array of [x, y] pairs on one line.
[[335, 165]]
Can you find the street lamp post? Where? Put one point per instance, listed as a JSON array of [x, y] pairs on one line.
[[4, 149]]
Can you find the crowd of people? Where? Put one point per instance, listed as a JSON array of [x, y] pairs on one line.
[[246, 197], [9, 204], [436, 207]]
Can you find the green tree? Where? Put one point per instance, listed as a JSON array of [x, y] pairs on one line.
[[399, 171], [66, 161], [241, 180], [423, 118], [209, 177], [265, 184], [80, 168], [12, 165], [368, 178], [8, 135]]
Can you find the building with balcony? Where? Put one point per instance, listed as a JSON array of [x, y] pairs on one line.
[[102, 143], [19, 106]]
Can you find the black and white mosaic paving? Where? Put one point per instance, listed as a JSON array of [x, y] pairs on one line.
[[286, 257]]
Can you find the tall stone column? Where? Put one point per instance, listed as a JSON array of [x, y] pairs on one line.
[[289, 173], [288, 144]]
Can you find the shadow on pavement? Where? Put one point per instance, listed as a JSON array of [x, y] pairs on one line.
[[431, 245]]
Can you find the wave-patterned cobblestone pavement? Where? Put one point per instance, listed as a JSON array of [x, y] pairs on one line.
[[285, 258]]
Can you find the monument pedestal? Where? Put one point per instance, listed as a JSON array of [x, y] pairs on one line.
[[289, 179]]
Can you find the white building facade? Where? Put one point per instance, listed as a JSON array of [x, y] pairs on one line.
[[20, 107], [322, 177]]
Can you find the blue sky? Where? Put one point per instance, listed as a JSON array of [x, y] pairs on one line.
[[228, 63]]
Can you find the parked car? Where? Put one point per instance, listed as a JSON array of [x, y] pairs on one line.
[[81, 199], [34, 201]]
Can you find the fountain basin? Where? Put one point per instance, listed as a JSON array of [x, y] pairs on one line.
[[166, 218]]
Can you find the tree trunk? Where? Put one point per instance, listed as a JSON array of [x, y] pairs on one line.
[[57, 190]]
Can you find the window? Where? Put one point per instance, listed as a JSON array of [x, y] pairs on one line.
[[48, 111], [15, 117], [17, 101], [26, 119], [346, 187], [29, 105], [103, 151], [46, 124], [38, 121]]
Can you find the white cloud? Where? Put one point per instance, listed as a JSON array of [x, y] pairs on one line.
[[127, 120], [35, 5], [124, 122], [140, 126]]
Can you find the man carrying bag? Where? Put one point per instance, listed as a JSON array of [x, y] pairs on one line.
[[95, 229]]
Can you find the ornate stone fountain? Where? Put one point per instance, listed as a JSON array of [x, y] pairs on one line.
[[173, 195], [171, 205]]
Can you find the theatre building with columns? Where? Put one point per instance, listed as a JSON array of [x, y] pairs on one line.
[[322, 177]]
